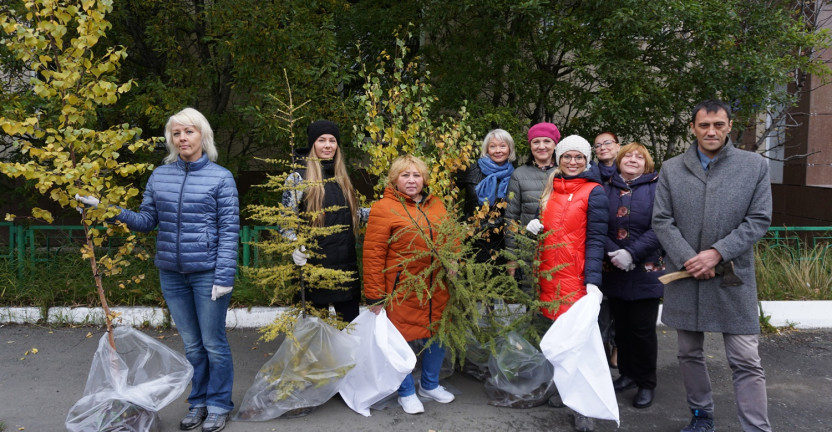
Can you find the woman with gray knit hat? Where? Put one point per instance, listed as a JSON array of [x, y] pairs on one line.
[[328, 186], [573, 214]]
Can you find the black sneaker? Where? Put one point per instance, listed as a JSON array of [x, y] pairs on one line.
[[701, 422], [194, 418], [214, 422]]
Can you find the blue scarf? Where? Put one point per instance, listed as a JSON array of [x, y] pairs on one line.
[[495, 183]]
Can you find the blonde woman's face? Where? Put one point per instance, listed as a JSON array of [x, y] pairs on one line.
[[325, 146], [572, 163], [410, 182], [188, 141]]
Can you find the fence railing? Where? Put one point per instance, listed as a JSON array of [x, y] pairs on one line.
[[41, 243]]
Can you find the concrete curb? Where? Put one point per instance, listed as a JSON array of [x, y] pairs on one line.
[[798, 314]]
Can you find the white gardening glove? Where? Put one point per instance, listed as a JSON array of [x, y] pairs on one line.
[[534, 226], [621, 259], [592, 289], [299, 257], [219, 291], [87, 200]]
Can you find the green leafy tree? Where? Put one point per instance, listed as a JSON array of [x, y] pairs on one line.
[[632, 66], [64, 150], [226, 58]]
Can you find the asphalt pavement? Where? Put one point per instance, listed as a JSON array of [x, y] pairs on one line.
[[43, 371]]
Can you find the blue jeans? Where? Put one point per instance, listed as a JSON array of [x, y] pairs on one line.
[[201, 323], [432, 358]]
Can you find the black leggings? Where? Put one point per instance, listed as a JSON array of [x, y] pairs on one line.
[[347, 310]]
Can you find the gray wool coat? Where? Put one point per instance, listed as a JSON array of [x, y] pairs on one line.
[[728, 209]]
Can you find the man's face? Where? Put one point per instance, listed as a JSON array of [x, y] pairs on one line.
[[711, 130]]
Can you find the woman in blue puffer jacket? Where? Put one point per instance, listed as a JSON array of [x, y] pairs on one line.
[[194, 203], [631, 271]]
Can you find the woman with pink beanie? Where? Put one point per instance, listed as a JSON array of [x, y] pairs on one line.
[[527, 182]]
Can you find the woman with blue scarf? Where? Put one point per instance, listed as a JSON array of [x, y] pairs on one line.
[[486, 182]]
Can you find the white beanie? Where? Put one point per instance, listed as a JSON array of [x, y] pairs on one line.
[[574, 142]]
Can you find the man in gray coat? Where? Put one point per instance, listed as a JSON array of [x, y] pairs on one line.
[[712, 204]]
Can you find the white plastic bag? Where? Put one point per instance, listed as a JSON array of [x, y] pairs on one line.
[[300, 375], [573, 345], [125, 388], [384, 359]]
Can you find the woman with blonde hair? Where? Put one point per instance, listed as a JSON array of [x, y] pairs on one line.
[[328, 186], [573, 216], [402, 228], [194, 203]]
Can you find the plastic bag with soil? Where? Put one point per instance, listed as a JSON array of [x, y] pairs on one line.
[[127, 386], [476, 359], [301, 375], [521, 376]]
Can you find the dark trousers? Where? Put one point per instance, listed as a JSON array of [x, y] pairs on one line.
[[346, 310], [635, 337]]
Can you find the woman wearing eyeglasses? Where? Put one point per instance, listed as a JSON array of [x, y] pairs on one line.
[[606, 149], [573, 216]]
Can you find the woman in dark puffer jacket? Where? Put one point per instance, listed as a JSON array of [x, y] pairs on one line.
[[194, 203], [632, 269], [328, 187]]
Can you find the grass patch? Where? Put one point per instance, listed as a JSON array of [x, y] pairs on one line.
[[793, 273], [66, 280]]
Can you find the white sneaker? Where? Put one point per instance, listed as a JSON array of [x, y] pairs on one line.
[[438, 394], [411, 404]]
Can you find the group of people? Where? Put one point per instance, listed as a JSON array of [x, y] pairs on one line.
[[611, 225]]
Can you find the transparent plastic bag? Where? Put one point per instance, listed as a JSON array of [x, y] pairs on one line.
[[384, 359], [476, 359], [127, 386], [521, 376], [301, 375]]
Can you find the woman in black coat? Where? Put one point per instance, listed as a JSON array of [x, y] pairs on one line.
[[631, 270], [486, 182], [329, 186]]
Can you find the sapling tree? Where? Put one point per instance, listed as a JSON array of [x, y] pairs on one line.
[[290, 283], [64, 151]]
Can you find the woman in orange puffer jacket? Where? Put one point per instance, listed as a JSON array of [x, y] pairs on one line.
[[396, 248]]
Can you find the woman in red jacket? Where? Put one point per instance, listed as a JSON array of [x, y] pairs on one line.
[[573, 216], [402, 229]]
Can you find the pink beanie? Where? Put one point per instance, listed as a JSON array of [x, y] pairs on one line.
[[544, 130]]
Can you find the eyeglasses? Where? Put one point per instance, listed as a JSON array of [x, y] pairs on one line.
[[570, 158], [606, 143]]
